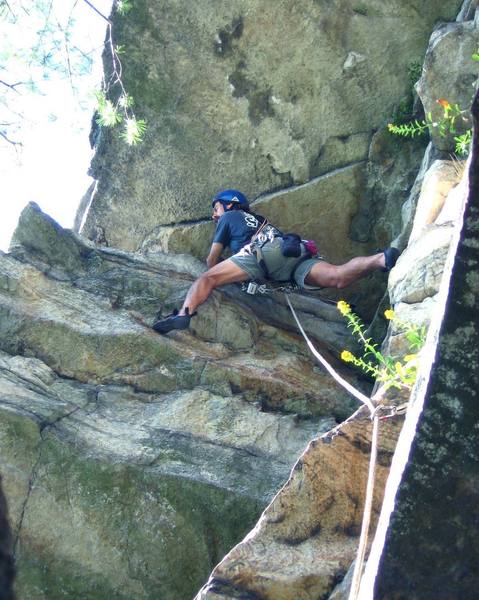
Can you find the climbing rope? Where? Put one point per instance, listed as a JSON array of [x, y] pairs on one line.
[[368, 506], [374, 412], [336, 376]]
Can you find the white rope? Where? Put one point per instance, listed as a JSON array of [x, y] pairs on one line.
[[347, 386], [368, 505], [368, 501]]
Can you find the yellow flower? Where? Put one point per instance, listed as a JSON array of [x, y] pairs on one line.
[[343, 307], [410, 357], [389, 314], [444, 103], [399, 368], [347, 356]]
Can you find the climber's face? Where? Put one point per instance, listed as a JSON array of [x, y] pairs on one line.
[[218, 211]]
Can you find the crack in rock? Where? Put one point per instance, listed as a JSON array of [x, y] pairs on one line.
[[31, 483]]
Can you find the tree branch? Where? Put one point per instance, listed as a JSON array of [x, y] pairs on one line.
[[5, 137], [12, 85], [97, 11], [5, 3]]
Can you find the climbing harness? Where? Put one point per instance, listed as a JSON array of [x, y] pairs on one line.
[[261, 288], [257, 287], [270, 286]]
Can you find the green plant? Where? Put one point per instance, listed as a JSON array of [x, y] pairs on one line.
[[391, 371], [361, 9], [112, 113], [445, 125], [463, 143], [108, 115], [123, 6], [410, 129], [133, 131], [414, 71]]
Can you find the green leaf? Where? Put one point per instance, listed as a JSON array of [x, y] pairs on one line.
[[409, 129], [124, 6], [100, 98], [134, 131], [108, 115], [126, 101], [463, 143]]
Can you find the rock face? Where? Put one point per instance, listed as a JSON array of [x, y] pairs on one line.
[[306, 539], [141, 445], [110, 497], [250, 95], [450, 73], [435, 513], [274, 562], [6, 557], [132, 462], [430, 238]]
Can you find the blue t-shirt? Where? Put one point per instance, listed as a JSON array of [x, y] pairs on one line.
[[236, 228]]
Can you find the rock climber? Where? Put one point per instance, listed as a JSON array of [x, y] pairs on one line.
[[262, 252]]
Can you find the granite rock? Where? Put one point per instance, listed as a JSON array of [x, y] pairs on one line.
[[220, 116]]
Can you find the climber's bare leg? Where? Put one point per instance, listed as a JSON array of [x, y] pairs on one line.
[[221, 274], [324, 274]]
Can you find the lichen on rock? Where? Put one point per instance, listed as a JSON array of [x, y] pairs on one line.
[[130, 459]]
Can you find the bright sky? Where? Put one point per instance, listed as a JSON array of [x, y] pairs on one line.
[[51, 168]]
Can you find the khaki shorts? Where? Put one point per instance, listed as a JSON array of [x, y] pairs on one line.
[[280, 268]]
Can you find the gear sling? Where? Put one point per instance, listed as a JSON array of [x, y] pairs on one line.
[[290, 247]]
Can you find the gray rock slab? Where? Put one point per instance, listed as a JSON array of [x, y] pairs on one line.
[[112, 490], [304, 541], [434, 476], [450, 73], [194, 239], [418, 272], [228, 105], [321, 210]]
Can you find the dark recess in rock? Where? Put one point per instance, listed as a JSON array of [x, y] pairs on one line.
[[224, 44], [7, 569]]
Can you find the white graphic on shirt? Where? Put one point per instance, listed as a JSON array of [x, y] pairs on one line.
[[251, 221], [267, 234]]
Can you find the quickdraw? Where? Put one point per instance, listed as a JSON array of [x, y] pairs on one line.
[[256, 287]]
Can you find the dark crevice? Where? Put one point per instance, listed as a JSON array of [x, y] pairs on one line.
[[224, 44], [30, 485], [296, 541], [46, 424], [169, 433], [224, 586], [43, 428]]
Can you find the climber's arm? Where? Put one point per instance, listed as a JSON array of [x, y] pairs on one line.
[[214, 255]]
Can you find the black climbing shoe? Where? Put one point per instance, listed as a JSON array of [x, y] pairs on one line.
[[173, 321], [391, 255]]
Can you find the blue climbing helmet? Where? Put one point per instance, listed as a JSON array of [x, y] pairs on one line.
[[234, 197]]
